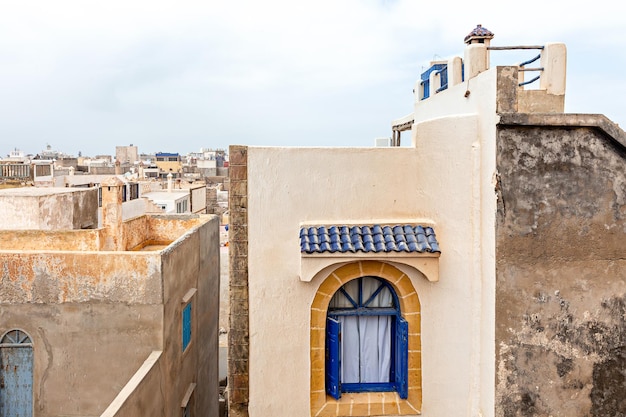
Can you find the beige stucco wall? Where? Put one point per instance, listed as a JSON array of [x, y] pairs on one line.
[[446, 178], [457, 172], [288, 186], [198, 199]]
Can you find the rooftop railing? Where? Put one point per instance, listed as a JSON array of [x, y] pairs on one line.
[[15, 171], [443, 74], [522, 66]]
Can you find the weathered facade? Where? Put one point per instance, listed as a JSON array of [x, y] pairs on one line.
[[560, 276], [519, 314], [117, 321]]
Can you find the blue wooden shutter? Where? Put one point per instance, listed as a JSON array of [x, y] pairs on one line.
[[402, 357], [186, 326], [333, 357]]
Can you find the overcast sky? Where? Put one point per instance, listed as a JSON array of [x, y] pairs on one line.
[[179, 76]]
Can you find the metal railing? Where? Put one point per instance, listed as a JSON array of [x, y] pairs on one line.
[[522, 66]]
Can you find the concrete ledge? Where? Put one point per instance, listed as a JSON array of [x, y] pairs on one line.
[[596, 121], [132, 384]]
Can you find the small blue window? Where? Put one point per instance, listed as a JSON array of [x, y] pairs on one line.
[[186, 325], [366, 340]]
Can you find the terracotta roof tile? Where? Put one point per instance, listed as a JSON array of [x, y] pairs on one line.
[[479, 31]]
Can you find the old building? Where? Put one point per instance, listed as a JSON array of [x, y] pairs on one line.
[[169, 163], [477, 271], [120, 320]]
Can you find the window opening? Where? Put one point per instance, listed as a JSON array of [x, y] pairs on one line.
[[15, 337], [366, 339], [186, 325]]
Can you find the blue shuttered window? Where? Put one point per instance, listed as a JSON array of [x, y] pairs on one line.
[[186, 325], [402, 357], [366, 340], [333, 357]]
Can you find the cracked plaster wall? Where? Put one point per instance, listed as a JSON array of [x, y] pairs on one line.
[[561, 273]]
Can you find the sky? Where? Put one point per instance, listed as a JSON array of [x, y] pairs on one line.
[[86, 76]]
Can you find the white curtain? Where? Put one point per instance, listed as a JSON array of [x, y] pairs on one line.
[[366, 340]]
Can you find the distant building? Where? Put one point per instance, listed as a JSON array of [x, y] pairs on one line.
[[16, 155], [179, 199], [49, 153], [169, 162], [127, 154]]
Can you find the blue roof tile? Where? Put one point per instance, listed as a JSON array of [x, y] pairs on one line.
[[368, 239]]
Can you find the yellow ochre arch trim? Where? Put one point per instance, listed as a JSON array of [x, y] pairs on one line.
[[372, 403]]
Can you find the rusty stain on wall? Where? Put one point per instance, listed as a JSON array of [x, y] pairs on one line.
[[50, 277]]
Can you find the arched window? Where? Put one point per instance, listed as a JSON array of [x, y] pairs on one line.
[[15, 337], [16, 374], [366, 339]]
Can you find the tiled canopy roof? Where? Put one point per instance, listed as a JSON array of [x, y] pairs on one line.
[[368, 239]]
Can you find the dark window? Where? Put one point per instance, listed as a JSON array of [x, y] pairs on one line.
[[134, 191], [43, 170]]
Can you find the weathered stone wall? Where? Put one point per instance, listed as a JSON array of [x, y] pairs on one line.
[[239, 330], [211, 200], [560, 272]]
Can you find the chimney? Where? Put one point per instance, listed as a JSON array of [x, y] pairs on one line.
[[476, 58], [479, 35], [112, 236]]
